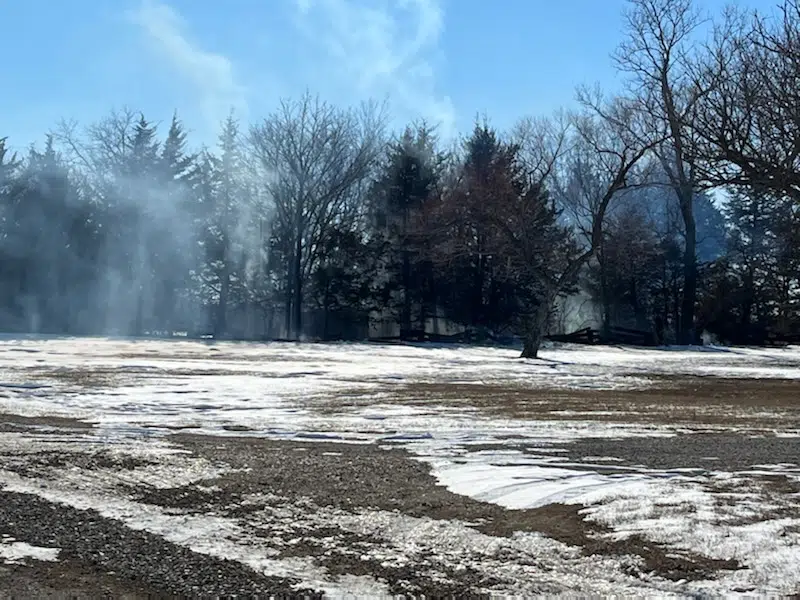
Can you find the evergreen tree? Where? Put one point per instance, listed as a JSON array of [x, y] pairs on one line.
[[224, 198], [173, 235], [476, 295], [342, 285], [42, 221], [765, 260], [400, 195], [500, 211]]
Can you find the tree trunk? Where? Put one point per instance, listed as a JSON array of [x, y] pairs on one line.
[[676, 310], [326, 304], [297, 279], [221, 321], [289, 292], [606, 295], [638, 313], [423, 311], [535, 329], [405, 311], [533, 340], [747, 308], [166, 308], [138, 321], [687, 334], [477, 300]]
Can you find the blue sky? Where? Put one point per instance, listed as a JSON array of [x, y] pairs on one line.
[[445, 60]]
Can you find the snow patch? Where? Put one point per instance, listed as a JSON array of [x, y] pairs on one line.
[[694, 515], [13, 552]]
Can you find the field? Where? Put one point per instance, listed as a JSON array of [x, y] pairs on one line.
[[134, 469]]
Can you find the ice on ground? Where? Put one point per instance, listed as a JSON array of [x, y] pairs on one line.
[[519, 485], [725, 516], [14, 552]]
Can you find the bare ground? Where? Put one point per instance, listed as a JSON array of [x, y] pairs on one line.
[[367, 477], [764, 404], [19, 423], [104, 557], [67, 580]]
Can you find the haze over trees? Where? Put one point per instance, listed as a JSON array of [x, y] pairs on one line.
[[673, 207]]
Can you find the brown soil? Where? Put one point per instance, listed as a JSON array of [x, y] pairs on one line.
[[45, 464], [700, 451], [752, 403], [10, 422]]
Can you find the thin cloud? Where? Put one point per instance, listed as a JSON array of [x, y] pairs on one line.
[[212, 75], [385, 50]]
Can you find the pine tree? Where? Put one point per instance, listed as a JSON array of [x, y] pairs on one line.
[[143, 158], [8, 163], [399, 197], [477, 296], [224, 198], [176, 163], [499, 211], [141, 202], [174, 236], [40, 211], [765, 259], [11, 265]]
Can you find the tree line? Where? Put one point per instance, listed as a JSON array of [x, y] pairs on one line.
[[671, 206]]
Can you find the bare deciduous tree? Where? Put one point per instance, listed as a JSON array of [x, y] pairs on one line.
[[315, 158], [748, 127], [603, 159], [656, 55]]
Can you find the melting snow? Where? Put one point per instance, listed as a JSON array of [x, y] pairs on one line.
[[271, 389], [691, 515]]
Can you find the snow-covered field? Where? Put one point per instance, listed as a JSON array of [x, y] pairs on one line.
[[135, 393]]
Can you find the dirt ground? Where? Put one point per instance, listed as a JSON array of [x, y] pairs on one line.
[[695, 401], [364, 476]]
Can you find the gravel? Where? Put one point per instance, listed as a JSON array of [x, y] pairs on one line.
[[147, 562], [707, 451]]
